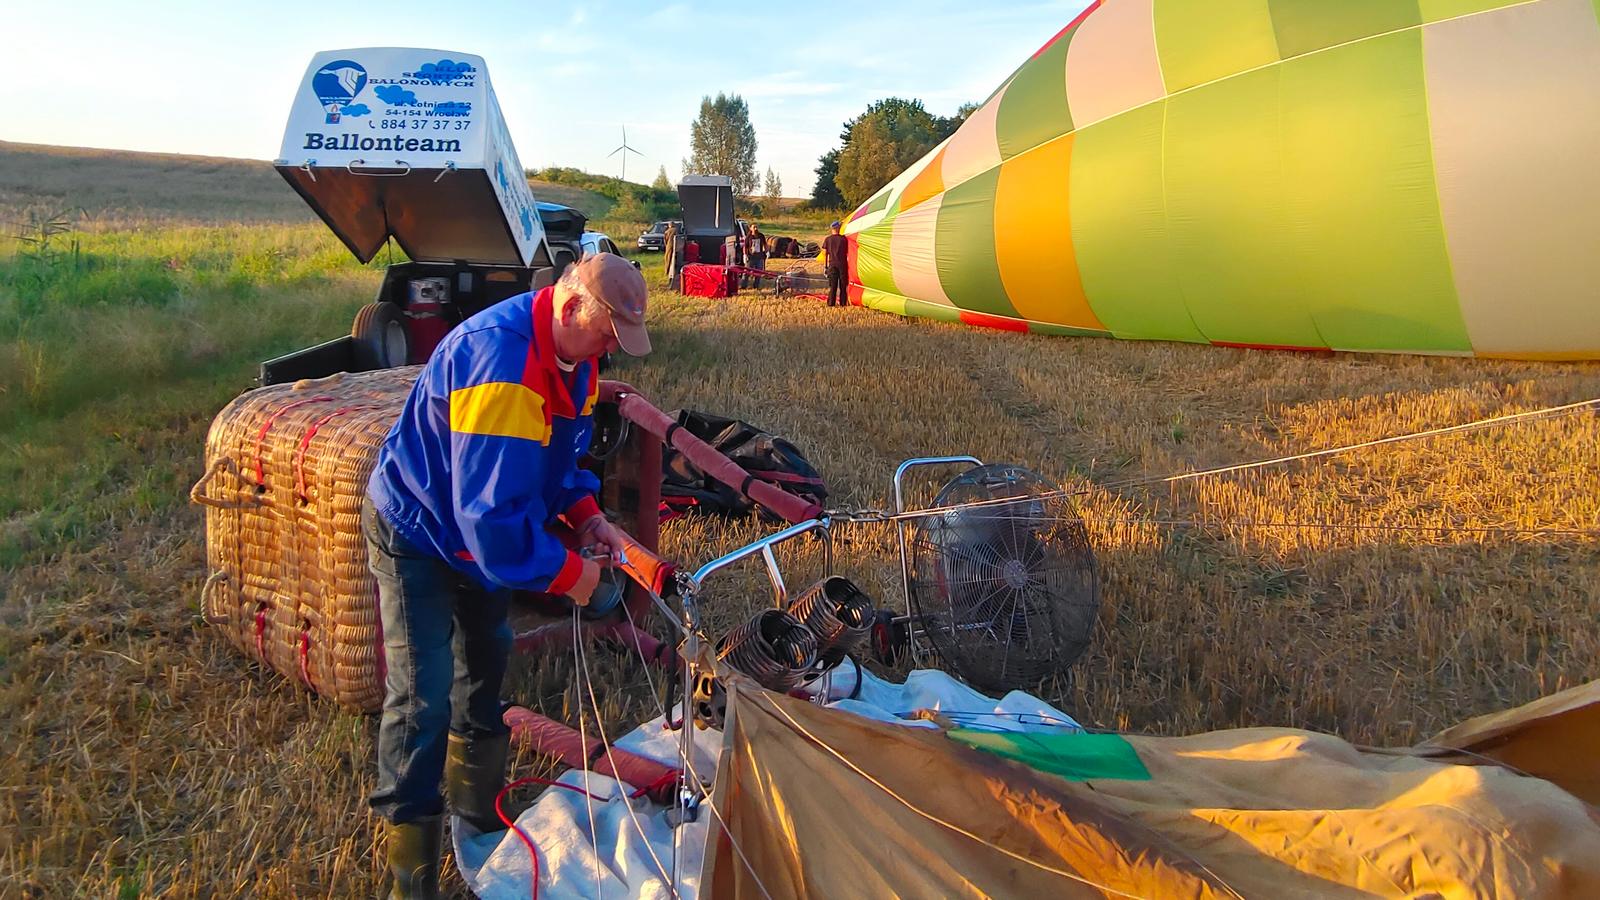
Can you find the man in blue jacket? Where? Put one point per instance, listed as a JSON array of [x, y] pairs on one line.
[[482, 461]]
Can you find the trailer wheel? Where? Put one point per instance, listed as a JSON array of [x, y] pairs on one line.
[[382, 340]]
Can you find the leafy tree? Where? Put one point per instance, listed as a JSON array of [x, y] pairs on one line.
[[723, 142], [889, 136], [903, 132], [825, 193], [948, 125], [774, 186], [662, 183]]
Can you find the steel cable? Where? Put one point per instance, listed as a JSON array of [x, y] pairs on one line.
[[594, 704]]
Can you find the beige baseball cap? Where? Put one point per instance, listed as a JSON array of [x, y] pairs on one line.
[[620, 287]]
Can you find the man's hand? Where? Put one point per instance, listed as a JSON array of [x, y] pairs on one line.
[[600, 537], [588, 579]]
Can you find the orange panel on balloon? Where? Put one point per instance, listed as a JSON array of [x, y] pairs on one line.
[[928, 182], [1033, 238]]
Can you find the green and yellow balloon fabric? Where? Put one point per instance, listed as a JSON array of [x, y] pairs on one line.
[[1415, 176]]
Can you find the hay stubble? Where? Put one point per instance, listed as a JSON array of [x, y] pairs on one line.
[[140, 753]]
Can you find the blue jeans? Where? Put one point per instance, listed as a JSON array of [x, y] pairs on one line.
[[445, 641]]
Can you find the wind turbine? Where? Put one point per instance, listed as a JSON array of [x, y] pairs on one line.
[[624, 150]]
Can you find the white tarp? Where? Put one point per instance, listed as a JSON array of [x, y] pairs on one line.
[[612, 862]]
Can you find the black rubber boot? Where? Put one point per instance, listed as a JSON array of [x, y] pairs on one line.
[[474, 773], [414, 850]]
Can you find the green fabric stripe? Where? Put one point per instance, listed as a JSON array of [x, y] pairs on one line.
[[1306, 25], [873, 266], [1230, 226], [1119, 228], [1034, 108], [884, 300], [1073, 755], [964, 242], [1362, 203], [1201, 42], [926, 310], [1435, 10], [877, 202]]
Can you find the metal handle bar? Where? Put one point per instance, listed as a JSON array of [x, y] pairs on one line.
[[398, 164], [900, 524], [764, 547], [901, 470]]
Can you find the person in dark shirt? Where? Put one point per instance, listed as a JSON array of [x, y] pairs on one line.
[[755, 255], [836, 251]]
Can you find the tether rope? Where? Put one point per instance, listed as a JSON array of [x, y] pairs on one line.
[[605, 741], [873, 515], [583, 741], [688, 763], [1547, 412]]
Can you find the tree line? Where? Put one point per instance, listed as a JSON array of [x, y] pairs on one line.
[[873, 148], [876, 146]]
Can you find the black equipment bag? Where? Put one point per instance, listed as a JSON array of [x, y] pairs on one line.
[[766, 456]]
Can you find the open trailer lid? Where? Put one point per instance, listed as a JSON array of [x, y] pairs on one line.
[[411, 143], [707, 202]]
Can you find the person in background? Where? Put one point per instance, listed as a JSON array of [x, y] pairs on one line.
[[469, 484], [836, 265], [669, 244], [755, 255]]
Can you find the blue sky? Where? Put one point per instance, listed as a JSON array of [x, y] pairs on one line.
[[216, 78]]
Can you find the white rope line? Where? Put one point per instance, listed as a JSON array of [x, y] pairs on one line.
[[1546, 412], [583, 743], [688, 763], [710, 804], [645, 664], [1087, 517], [594, 703]]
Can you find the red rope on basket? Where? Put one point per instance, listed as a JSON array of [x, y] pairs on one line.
[[261, 435], [261, 631], [305, 657], [299, 466], [500, 810]]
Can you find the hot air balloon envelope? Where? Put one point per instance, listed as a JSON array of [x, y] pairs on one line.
[[1376, 175]]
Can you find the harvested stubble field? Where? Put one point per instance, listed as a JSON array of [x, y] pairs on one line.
[[1374, 594]]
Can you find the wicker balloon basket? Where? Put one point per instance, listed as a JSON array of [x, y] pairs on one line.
[[286, 471]]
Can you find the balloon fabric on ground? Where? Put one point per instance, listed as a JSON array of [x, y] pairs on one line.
[[1410, 177]]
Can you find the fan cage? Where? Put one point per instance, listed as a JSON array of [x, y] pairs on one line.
[[1002, 582]]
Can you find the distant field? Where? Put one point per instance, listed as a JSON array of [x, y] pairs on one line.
[[1379, 595], [112, 188]]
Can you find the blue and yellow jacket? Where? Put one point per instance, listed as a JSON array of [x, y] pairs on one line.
[[485, 454]]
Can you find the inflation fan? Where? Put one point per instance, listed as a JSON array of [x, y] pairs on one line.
[[1000, 579], [1000, 584]]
